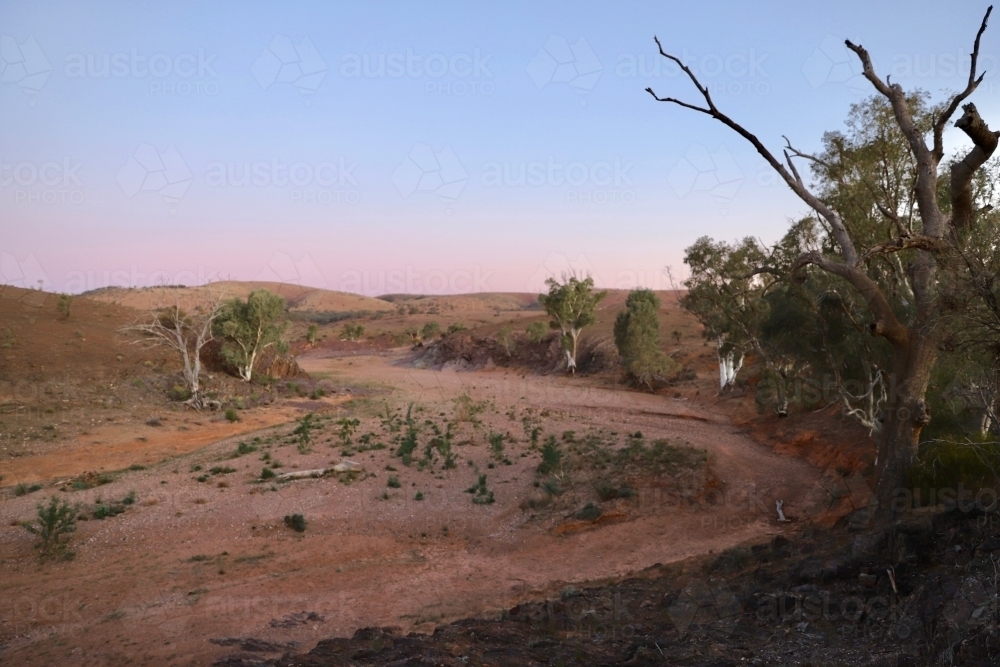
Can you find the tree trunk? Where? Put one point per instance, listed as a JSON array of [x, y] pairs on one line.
[[905, 417]]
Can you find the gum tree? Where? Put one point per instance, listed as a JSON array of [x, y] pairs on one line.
[[571, 306], [250, 327], [944, 208]]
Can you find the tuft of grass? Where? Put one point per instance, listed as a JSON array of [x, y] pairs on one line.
[[267, 473], [393, 482], [232, 416]]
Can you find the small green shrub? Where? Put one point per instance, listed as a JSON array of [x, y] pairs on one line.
[[53, 527], [536, 331], [232, 416], [551, 457], [267, 473], [481, 494], [419, 496], [393, 482], [296, 522]]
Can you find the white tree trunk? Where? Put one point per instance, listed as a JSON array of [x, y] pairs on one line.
[[729, 366]]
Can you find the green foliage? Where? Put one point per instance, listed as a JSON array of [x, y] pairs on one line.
[[267, 473], [496, 445], [296, 522], [455, 327], [949, 464], [352, 332], [54, 525], [244, 448], [312, 333], [247, 328], [419, 496], [571, 305], [551, 457], [430, 330], [408, 445], [481, 494], [536, 331], [347, 428], [506, 340], [393, 482], [179, 393], [232, 416], [64, 304], [637, 336], [304, 431]]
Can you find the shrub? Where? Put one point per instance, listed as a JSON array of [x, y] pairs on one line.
[[244, 448], [232, 416], [267, 473], [456, 327], [64, 304], [296, 522], [179, 393], [53, 527], [419, 496], [481, 494], [536, 331], [352, 332], [393, 482], [588, 512], [551, 456], [312, 333], [430, 330], [506, 340], [637, 337]]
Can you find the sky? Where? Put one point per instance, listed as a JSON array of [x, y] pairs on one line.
[[424, 147]]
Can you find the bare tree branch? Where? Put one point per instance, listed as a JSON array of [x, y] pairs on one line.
[[832, 217], [886, 323], [957, 99]]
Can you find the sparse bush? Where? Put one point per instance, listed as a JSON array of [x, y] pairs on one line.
[[232, 416], [393, 482], [481, 494], [455, 327], [53, 527], [430, 330], [244, 448], [179, 393], [536, 331], [419, 496], [306, 425], [588, 512], [267, 473], [296, 522], [551, 457], [506, 340], [312, 333], [352, 332], [64, 304]]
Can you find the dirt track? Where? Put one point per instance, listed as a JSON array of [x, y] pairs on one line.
[[194, 562]]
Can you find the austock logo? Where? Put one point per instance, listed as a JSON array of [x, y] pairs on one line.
[[702, 171], [283, 61], [148, 170], [23, 65], [559, 62], [427, 170]]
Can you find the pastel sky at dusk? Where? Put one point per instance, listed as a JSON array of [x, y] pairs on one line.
[[432, 147]]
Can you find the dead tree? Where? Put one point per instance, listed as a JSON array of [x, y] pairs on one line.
[[914, 342], [187, 334]]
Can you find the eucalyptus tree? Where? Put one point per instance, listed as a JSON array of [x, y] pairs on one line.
[[917, 235]]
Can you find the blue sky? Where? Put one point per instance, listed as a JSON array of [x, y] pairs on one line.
[[386, 147]]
